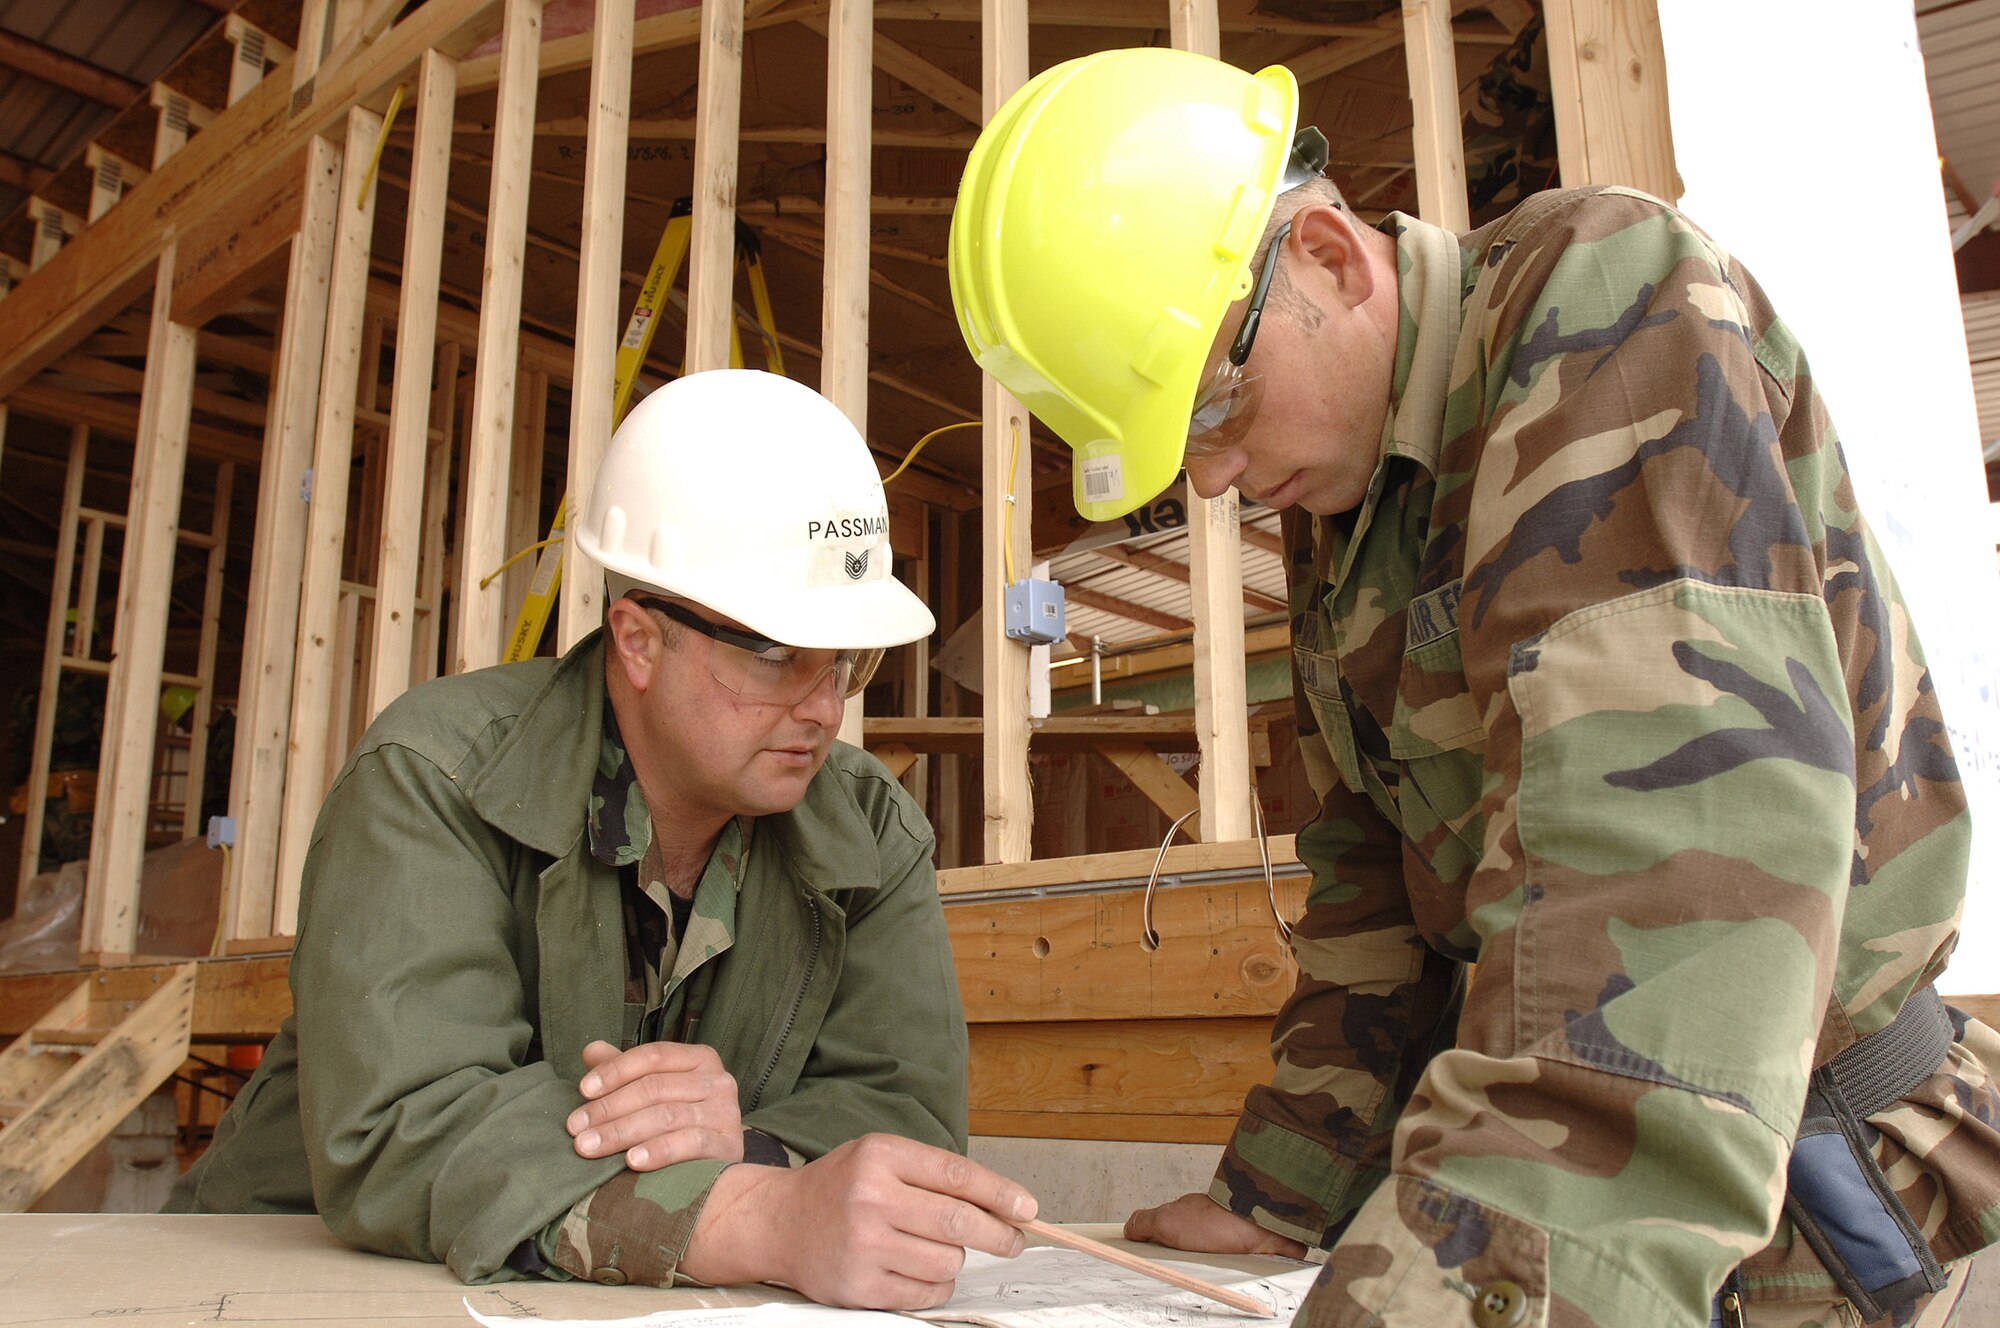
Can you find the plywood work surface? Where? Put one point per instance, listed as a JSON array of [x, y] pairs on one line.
[[68, 1270], [58, 1270]]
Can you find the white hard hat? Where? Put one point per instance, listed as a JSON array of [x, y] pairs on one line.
[[754, 496]]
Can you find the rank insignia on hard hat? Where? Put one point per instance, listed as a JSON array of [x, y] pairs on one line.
[[856, 566]]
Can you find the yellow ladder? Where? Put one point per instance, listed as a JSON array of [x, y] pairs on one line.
[[84, 1066], [539, 603]]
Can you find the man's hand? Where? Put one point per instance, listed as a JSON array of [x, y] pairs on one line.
[[659, 1103], [1197, 1222], [882, 1222]]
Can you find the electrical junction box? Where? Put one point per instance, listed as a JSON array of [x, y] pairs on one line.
[[221, 831], [1035, 612]]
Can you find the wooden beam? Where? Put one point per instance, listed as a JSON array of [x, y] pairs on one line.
[[125, 766], [54, 639], [316, 665], [20, 173], [1081, 956], [407, 446], [1006, 515], [683, 130], [1174, 571], [1513, 15], [211, 636], [235, 1000], [1608, 76], [1435, 135], [905, 65], [478, 608], [63, 70], [524, 494], [1157, 780], [602, 229], [961, 734], [1142, 14], [1032, 879], [103, 1086], [1342, 53], [851, 51], [60, 405], [90, 281], [657, 32], [1263, 539], [437, 501], [119, 378], [230, 254], [1161, 1070], [1125, 608], [711, 256], [270, 641]]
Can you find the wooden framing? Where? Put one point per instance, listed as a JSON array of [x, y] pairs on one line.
[[1436, 137], [711, 255], [211, 633], [1006, 517], [598, 264], [1607, 70], [125, 768], [491, 420], [53, 649], [317, 663], [407, 448], [1174, 1034], [843, 329], [1215, 564], [270, 640]]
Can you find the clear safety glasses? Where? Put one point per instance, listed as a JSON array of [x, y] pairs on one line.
[[1227, 401], [757, 668]]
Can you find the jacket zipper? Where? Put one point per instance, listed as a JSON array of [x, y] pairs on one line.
[[778, 1052]]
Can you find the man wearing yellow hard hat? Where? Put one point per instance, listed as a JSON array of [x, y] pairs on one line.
[[1606, 688]]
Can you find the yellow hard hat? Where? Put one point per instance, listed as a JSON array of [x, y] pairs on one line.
[[176, 701], [1106, 221]]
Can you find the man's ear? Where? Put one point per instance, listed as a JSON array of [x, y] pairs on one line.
[[635, 642], [1329, 238]]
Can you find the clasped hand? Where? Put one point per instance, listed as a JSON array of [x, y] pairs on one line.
[[659, 1103]]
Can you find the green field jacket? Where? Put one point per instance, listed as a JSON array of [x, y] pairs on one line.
[[459, 946]]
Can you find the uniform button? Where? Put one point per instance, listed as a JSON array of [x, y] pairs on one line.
[[609, 1276], [1500, 1305]]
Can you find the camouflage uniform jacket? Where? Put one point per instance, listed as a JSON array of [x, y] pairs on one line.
[[1621, 702], [460, 944]]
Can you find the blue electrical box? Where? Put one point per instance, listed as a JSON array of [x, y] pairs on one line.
[[1035, 612]]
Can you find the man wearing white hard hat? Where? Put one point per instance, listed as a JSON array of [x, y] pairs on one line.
[[617, 966]]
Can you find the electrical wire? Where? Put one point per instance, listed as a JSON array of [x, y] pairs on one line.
[[1007, 539], [381, 142], [947, 428], [517, 556]]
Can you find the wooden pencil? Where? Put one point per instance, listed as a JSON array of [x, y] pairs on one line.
[[1236, 1300]]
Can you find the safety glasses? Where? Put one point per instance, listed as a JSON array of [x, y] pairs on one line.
[[757, 668], [1227, 401]]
